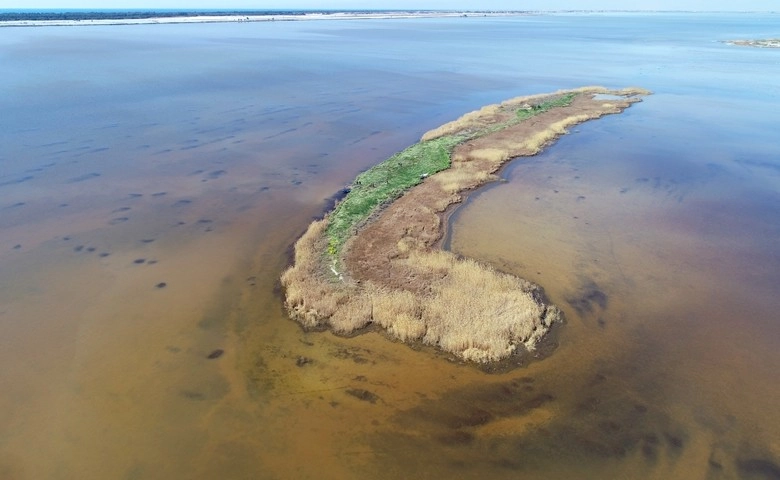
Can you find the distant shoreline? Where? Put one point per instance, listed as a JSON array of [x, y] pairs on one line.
[[43, 19], [65, 18]]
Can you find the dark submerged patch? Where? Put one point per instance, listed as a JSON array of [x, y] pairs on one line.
[[215, 354], [362, 394], [758, 468], [588, 296]]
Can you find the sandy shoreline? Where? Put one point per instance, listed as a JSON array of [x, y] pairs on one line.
[[391, 272], [255, 18]]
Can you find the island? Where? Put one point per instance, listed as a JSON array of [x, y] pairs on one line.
[[376, 260], [764, 43]]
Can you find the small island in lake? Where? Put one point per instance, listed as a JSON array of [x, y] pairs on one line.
[[765, 43], [376, 258]]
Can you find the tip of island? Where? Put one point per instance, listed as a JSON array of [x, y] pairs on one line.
[[376, 258], [759, 43]]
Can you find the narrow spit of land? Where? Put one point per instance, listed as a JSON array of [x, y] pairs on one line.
[[137, 17], [376, 258], [763, 43]]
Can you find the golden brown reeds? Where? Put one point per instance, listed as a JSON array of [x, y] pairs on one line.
[[471, 121], [472, 310]]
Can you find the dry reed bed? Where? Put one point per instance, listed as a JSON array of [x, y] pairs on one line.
[[396, 276]]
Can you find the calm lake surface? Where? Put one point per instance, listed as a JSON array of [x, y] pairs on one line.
[[153, 179]]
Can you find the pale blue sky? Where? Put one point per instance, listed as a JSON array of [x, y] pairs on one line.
[[729, 5]]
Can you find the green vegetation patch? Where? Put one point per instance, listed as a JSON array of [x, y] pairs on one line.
[[390, 179], [562, 101], [385, 182], [523, 113]]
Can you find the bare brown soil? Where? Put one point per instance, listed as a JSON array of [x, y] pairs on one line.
[[394, 273]]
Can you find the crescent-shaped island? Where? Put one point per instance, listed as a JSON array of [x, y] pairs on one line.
[[376, 258]]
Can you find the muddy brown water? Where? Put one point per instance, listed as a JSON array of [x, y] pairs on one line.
[[669, 348], [110, 375]]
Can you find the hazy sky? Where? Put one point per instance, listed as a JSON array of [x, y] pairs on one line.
[[731, 5]]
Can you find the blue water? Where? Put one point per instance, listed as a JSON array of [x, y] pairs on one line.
[[192, 156]]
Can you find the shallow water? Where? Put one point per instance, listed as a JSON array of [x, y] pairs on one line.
[[153, 178]]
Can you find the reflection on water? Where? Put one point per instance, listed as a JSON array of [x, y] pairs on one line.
[[149, 194]]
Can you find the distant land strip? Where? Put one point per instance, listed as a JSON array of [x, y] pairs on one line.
[[82, 17], [136, 17], [764, 43], [376, 258]]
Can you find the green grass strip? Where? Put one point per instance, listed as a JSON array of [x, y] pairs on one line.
[[562, 101], [388, 180], [385, 182]]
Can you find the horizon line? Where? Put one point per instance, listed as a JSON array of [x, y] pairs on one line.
[[353, 10]]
